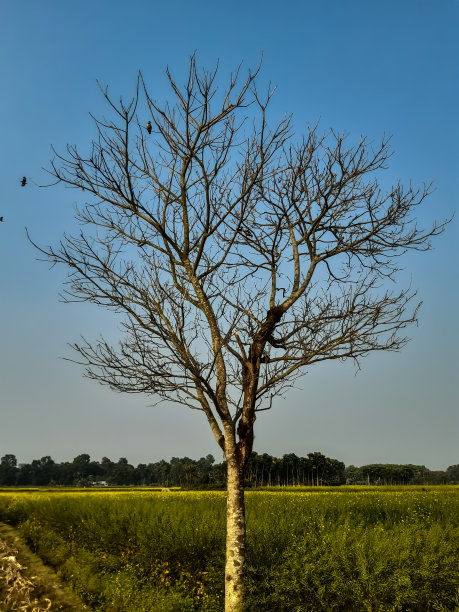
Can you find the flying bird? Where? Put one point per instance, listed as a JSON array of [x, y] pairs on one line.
[[149, 127], [24, 181], [1, 219]]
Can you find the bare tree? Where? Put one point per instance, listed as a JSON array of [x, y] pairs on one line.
[[236, 254]]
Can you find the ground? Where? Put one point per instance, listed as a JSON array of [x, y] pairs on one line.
[[36, 586]]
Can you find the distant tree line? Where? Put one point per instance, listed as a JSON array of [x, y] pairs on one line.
[[263, 470], [395, 474]]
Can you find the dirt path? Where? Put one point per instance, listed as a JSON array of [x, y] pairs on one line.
[[34, 580]]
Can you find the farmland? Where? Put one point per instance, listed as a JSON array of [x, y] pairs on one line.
[[346, 548]]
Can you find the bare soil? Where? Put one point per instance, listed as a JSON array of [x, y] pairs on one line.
[[36, 587]]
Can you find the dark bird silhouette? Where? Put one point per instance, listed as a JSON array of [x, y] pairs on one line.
[[1, 219], [149, 127], [24, 181]]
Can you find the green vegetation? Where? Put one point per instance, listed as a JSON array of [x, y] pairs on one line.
[[261, 470], [347, 548]]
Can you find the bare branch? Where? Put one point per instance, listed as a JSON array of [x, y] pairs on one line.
[[236, 255]]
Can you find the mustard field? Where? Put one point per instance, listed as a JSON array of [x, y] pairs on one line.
[[322, 549]]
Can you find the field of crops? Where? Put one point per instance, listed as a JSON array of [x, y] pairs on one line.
[[373, 549]]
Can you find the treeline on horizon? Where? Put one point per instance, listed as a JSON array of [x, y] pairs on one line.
[[263, 470]]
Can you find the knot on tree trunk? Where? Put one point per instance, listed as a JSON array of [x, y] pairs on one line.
[[273, 317]]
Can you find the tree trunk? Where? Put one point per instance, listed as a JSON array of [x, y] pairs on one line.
[[235, 536]]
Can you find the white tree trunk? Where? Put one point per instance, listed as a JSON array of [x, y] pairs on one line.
[[235, 537]]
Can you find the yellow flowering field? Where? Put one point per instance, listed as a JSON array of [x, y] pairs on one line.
[[346, 548]]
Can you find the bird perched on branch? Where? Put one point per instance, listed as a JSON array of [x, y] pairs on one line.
[[24, 181], [149, 127]]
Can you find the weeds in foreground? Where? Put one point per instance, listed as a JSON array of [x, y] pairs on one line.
[[16, 591]]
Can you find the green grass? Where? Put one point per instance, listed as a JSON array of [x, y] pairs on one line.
[[348, 548]]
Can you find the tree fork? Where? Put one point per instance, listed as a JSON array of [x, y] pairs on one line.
[[250, 376]]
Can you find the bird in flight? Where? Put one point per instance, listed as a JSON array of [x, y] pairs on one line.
[[1, 219], [149, 127], [24, 181]]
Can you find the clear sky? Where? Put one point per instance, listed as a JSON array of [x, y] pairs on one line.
[[362, 66]]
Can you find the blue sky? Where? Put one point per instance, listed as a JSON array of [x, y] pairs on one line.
[[365, 67]]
